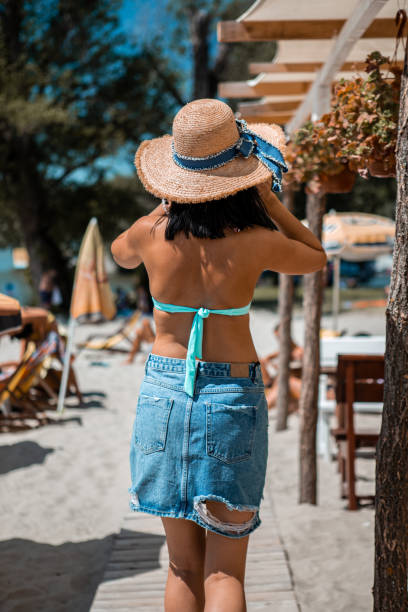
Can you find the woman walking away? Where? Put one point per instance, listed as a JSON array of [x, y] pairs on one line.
[[199, 444]]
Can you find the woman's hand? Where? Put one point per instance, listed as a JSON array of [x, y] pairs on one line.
[[265, 190]]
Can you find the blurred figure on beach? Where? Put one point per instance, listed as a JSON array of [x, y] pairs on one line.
[[270, 379], [122, 302], [50, 294], [145, 330]]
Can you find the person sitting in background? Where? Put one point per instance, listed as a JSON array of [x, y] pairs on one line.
[[271, 381], [145, 331], [46, 287]]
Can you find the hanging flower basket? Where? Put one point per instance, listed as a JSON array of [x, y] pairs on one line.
[[382, 168], [342, 182], [359, 132]]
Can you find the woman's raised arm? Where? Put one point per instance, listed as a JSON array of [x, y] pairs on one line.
[[293, 250]]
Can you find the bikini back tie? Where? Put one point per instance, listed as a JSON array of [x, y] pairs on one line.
[[195, 342]]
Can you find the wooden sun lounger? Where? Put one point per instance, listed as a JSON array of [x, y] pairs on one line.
[[26, 389], [108, 343]]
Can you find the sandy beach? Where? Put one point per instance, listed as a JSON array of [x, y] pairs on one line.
[[63, 493]]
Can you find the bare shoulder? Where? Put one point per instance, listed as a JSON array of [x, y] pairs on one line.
[[282, 254], [127, 249], [142, 229]]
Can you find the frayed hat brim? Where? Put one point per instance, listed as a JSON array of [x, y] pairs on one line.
[[162, 177]]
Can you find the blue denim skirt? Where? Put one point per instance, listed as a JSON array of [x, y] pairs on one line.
[[212, 446]]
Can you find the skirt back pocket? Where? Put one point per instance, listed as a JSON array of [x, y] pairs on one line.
[[230, 431], [152, 418]]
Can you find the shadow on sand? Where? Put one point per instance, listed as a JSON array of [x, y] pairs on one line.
[[21, 454], [36, 576]]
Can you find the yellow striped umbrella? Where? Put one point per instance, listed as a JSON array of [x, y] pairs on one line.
[[354, 236], [92, 298], [357, 236]]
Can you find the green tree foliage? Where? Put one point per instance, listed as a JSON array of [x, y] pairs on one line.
[[71, 94]]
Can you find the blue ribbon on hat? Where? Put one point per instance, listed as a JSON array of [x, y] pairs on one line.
[[248, 144]]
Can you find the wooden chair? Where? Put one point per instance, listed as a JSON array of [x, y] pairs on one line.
[[360, 378], [26, 388]]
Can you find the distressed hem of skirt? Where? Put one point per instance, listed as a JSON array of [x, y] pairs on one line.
[[198, 516]]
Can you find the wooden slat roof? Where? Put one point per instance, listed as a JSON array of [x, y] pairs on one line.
[[302, 19], [309, 34], [306, 10]]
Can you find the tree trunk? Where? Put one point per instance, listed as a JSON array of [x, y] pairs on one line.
[[205, 78], [312, 301], [199, 26], [286, 288], [35, 222], [391, 505], [44, 253]]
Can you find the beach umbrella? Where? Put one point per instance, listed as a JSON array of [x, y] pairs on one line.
[[10, 315], [356, 237], [92, 299]]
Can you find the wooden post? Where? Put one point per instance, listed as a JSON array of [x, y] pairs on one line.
[[286, 289], [391, 505], [336, 292], [312, 301]]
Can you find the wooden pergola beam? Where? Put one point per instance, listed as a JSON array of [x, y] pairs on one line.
[[261, 31], [267, 107], [281, 119], [359, 23], [272, 67], [241, 89]]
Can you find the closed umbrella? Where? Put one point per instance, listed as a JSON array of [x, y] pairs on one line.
[[10, 315], [92, 298]]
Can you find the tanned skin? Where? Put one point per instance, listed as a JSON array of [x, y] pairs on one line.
[[207, 570]]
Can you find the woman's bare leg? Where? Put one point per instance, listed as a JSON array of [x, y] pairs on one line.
[[225, 560], [185, 580], [145, 333], [271, 394], [266, 377]]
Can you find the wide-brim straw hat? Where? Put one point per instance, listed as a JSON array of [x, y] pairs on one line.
[[203, 128]]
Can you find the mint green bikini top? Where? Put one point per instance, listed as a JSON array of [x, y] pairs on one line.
[[195, 342]]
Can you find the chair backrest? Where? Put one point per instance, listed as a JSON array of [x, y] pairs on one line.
[[360, 378], [27, 373], [330, 348]]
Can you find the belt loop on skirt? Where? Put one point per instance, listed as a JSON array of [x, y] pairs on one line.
[[254, 366], [146, 364]]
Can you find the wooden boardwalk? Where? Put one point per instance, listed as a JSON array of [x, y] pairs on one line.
[[135, 576]]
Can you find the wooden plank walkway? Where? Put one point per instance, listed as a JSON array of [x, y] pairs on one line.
[[136, 573]]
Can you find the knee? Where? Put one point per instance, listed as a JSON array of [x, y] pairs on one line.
[[217, 579]]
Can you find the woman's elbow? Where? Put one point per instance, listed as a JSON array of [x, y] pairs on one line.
[[129, 262], [115, 252], [320, 262], [324, 260]]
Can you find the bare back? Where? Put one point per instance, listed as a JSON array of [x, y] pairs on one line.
[[214, 273]]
